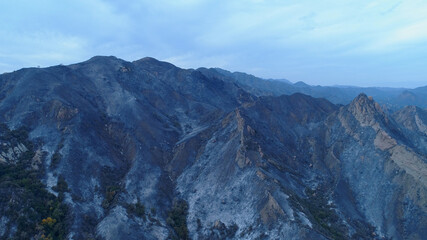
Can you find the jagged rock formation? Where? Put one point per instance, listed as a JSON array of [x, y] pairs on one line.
[[148, 150]]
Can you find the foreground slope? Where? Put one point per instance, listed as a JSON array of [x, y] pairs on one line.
[[152, 151]]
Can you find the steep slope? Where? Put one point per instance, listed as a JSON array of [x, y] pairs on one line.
[[413, 122], [113, 125], [387, 177], [412, 118], [148, 150], [318, 172], [238, 177]]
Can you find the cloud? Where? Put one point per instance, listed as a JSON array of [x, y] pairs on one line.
[[326, 42], [50, 32], [411, 34], [40, 49]]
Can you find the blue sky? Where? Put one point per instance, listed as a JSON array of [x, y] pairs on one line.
[[364, 43]]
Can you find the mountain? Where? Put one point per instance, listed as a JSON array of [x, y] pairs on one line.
[[390, 98], [146, 150]]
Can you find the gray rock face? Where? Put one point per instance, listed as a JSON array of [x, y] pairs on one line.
[[125, 134]]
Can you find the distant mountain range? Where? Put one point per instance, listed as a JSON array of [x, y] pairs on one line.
[[390, 98], [110, 149]]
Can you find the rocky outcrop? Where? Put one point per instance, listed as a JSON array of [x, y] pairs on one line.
[[12, 145], [12, 154], [271, 211]]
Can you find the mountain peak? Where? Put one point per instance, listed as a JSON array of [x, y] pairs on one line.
[[153, 64], [102, 59], [147, 59], [365, 101], [301, 84], [362, 97], [366, 110]]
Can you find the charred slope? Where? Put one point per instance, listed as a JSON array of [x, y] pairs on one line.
[[149, 150], [109, 127]]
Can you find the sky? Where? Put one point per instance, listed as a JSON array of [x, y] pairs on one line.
[[362, 43]]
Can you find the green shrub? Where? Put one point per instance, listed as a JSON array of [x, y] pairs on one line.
[[56, 158], [110, 194], [137, 209], [61, 185], [177, 219]]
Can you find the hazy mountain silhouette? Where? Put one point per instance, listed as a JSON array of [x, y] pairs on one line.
[[391, 98]]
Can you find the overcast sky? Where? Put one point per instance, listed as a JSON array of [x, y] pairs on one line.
[[364, 43]]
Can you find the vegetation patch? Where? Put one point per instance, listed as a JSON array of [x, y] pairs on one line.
[[316, 207], [61, 185], [33, 212], [137, 209], [110, 195], [177, 220], [56, 157]]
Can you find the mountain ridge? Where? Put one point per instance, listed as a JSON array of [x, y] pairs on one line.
[[149, 150], [391, 98]]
